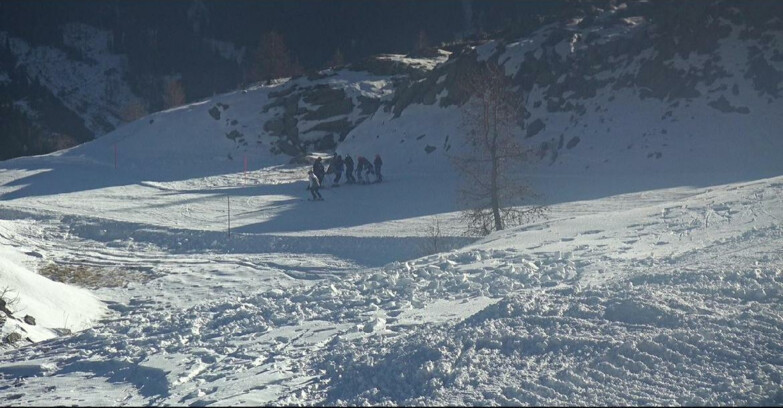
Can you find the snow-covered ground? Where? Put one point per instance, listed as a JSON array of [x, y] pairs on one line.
[[667, 296], [208, 278]]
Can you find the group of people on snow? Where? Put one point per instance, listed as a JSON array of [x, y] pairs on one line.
[[339, 165]]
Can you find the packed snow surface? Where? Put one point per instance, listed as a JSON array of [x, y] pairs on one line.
[[669, 296]]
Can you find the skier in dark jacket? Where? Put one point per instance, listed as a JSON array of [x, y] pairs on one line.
[[337, 168], [348, 162], [378, 163], [363, 164], [318, 170]]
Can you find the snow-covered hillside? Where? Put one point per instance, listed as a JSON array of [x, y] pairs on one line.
[[656, 278], [659, 297], [83, 74]]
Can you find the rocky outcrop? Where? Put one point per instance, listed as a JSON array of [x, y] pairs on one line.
[[442, 85], [314, 116], [722, 104], [12, 338], [669, 51]]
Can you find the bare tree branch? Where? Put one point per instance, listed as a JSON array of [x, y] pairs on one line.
[[491, 167]]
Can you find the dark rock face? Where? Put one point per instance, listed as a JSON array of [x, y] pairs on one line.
[[29, 320], [766, 79], [214, 112], [339, 127], [535, 127], [301, 103], [446, 77], [237, 137], [723, 105]]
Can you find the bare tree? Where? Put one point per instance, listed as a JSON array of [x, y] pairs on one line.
[[7, 298], [433, 240], [173, 94], [422, 41], [271, 59], [133, 110], [491, 166], [337, 59]]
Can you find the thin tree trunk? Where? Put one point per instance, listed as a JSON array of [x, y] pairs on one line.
[[494, 199]]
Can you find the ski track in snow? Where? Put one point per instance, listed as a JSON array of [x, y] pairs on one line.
[[674, 299]]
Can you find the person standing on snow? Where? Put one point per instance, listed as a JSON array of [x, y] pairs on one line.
[[348, 162], [314, 186], [318, 170], [337, 167], [363, 164], [378, 163], [360, 168]]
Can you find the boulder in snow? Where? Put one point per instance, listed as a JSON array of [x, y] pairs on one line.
[[12, 338]]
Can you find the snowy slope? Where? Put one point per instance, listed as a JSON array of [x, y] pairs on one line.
[[658, 305], [54, 306], [652, 281], [621, 98], [91, 84]]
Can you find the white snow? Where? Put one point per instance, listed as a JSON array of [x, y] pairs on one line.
[[419, 63], [54, 305], [650, 282]]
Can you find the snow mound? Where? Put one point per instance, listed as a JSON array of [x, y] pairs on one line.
[[55, 306]]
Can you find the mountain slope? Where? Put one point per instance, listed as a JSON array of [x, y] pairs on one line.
[[630, 93], [665, 97], [638, 288]]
